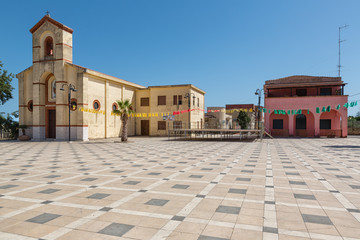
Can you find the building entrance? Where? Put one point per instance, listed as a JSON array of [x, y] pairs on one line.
[[145, 124], [51, 124]]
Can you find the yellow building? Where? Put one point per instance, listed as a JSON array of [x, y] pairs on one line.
[[43, 95]]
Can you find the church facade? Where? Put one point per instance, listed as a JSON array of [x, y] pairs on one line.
[[44, 89]]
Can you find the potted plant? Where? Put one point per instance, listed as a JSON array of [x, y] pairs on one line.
[[23, 137]]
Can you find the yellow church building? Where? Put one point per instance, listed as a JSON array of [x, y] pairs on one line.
[[44, 88]]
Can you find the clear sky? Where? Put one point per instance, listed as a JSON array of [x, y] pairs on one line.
[[228, 48]]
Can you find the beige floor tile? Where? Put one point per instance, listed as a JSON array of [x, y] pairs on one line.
[[241, 234], [216, 231], [349, 232], [30, 229], [141, 233], [93, 226], [250, 220], [322, 229], [189, 227], [288, 237], [182, 235]]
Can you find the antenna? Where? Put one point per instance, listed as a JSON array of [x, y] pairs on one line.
[[340, 41]]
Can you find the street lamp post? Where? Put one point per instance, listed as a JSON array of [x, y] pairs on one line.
[[188, 96], [258, 92], [71, 88]]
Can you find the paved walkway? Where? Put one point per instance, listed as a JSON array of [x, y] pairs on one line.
[[151, 188]]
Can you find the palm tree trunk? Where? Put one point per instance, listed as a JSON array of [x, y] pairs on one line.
[[124, 129]]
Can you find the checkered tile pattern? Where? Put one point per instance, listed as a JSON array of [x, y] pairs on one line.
[[151, 188]]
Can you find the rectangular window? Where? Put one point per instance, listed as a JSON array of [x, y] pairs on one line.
[[144, 102], [177, 100], [161, 125], [278, 124], [161, 100], [325, 123], [325, 91], [194, 101], [301, 92], [177, 125], [198, 102]]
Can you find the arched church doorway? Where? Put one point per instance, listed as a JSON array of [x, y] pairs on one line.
[[50, 106]]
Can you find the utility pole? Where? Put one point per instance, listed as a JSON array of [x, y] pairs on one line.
[[340, 41]]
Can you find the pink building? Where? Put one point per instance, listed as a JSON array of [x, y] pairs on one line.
[[305, 106]]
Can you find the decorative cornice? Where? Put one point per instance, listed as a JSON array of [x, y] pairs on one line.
[[52, 60]]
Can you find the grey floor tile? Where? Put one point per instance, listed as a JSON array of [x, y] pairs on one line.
[[203, 237], [53, 176], [88, 179], [43, 218], [237, 190], [196, 176], [304, 196], [116, 229], [157, 202], [228, 209], [180, 186], [243, 179], [248, 171], [316, 219], [8, 186], [105, 209], [178, 218], [19, 174], [49, 190], [270, 230], [132, 182], [343, 176], [98, 195], [353, 210], [297, 182]]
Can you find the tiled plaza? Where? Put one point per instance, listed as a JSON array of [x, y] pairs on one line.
[[151, 188]]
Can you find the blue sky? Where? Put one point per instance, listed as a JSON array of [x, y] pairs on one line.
[[227, 48]]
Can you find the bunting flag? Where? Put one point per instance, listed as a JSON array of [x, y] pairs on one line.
[[140, 115], [231, 110], [318, 110]]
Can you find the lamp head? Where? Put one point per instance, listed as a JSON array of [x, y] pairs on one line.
[[62, 89]]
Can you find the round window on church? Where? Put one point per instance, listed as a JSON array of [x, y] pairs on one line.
[[30, 106], [73, 104], [96, 105]]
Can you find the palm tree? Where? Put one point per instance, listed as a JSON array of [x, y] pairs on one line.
[[125, 108]]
